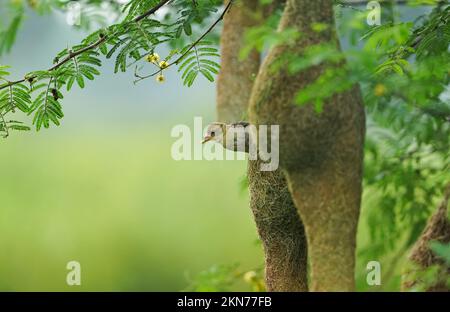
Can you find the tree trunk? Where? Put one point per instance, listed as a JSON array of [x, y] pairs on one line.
[[320, 154], [276, 217], [236, 77], [437, 229]]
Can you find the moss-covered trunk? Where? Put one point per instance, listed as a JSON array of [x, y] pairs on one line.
[[422, 257], [236, 77], [320, 154], [278, 223]]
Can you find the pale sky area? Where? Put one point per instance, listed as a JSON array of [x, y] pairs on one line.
[[110, 98]]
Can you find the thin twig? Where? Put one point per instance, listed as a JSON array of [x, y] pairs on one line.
[[227, 8], [5, 125]]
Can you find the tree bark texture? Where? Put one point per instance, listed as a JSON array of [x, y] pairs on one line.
[[321, 154], [276, 217], [437, 229], [236, 77]]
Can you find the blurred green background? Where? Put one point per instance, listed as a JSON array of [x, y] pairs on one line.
[[134, 218], [103, 189]]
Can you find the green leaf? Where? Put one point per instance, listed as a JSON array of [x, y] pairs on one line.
[[187, 29], [196, 61], [80, 81], [442, 250], [8, 37], [207, 74]]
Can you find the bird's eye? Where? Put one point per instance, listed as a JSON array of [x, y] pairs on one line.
[[213, 133]]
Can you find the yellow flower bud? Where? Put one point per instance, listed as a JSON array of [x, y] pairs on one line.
[[380, 90], [163, 64], [33, 3], [250, 276], [153, 58], [160, 78]]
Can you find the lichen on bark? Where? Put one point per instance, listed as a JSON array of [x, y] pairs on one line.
[[320, 154], [276, 217]]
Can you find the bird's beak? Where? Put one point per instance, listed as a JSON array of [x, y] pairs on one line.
[[206, 139]]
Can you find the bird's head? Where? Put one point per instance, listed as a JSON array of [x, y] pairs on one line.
[[215, 132]]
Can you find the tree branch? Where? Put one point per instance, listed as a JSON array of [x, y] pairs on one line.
[[227, 8], [92, 46]]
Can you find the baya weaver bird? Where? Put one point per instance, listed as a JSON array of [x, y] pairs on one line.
[[235, 136]]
